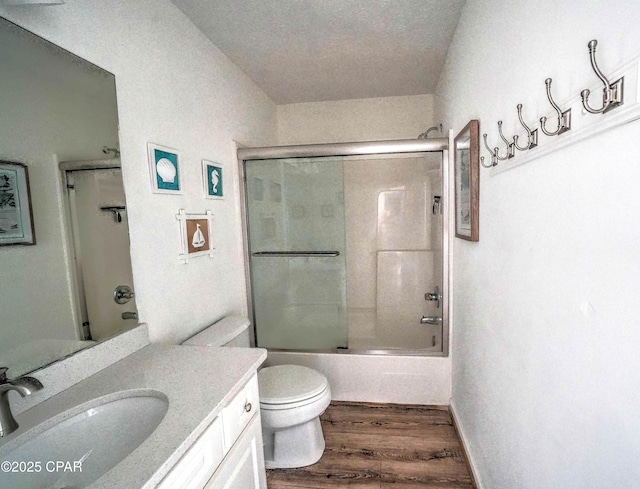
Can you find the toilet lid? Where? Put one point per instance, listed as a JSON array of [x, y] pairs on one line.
[[283, 384]]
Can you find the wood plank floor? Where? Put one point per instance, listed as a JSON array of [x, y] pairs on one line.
[[383, 446]]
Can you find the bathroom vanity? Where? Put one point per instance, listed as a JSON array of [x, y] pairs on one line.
[[209, 437], [228, 455]]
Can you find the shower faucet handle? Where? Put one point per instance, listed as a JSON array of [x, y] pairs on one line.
[[434, 296], [123, 294]]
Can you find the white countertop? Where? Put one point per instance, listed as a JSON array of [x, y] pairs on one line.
[[198, 382]]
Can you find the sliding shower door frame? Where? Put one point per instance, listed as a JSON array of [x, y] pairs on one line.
[[435, 145]]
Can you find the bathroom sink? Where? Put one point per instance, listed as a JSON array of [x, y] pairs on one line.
[[75, 448]]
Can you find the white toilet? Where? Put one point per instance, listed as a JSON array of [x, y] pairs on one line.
[[292, 398]]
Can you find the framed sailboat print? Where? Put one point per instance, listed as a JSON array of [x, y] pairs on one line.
[[196, 235]]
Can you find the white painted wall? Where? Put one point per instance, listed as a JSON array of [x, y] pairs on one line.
[[369, 119], [545, 335], [174, 88]]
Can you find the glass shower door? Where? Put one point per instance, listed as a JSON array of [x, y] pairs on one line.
[[296, 228]]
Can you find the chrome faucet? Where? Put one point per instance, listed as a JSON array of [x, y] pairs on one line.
[[23, 386]]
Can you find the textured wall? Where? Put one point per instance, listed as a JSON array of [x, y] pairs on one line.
[[545, 332], [369, 119]]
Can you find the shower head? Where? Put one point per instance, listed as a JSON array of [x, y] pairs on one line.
[[425, 134], [115, 151]]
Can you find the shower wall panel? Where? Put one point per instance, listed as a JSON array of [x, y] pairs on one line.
[[365, 180], [391, 238], [402, 278]]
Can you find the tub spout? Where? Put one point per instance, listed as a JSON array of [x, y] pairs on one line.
[[430, 320]]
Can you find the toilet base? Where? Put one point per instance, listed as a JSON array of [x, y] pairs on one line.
[[293, 447]]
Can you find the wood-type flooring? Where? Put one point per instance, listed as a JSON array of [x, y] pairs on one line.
[[383, 446]]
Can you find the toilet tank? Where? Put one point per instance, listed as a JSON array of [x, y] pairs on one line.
[[229, 331]]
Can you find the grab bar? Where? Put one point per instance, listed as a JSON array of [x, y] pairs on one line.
[[295, 254]]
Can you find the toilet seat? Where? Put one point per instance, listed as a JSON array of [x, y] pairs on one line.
[[291, 405], [290, 386]]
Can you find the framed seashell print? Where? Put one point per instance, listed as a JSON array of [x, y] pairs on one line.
[[212, 176], [164, 168], [196, 235]]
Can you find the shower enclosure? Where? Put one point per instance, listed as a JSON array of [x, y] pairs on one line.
[[346, 246]]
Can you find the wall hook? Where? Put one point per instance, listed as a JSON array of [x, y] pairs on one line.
[[532, 136], [495, 156], [564, 118], [491, 165], [612, 93], [511, 147]]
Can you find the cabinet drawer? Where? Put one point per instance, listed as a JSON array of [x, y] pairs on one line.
[[237, 414], [243, 467], [196, 466]]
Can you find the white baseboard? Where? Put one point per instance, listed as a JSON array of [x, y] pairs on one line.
[[465, 446]]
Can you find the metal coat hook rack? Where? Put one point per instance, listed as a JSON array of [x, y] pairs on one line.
[[564, 118], [491, 165], [495, 152], [511, 147], [612, 93], [612, 97], [532, 135]]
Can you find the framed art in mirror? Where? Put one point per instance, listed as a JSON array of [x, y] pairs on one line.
[[467, 176], [16, 215]]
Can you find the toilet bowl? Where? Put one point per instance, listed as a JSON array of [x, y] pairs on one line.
[[292, 398]]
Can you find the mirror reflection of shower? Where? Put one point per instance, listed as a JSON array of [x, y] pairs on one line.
[[100, 244], [425, 134], [115, 152]]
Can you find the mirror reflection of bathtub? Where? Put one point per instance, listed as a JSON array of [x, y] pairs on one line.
[[60, 118]]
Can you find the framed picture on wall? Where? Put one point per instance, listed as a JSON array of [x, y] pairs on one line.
[[164, 168], [16, 215], [196, 235], [212, 176], [467, 175]]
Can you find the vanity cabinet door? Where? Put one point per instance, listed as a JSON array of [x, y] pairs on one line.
[[196, 466], [243, 467]]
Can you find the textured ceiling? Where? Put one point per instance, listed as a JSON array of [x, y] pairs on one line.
[[317, 50]]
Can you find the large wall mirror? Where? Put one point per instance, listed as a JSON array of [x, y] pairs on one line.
[[72, 287]]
